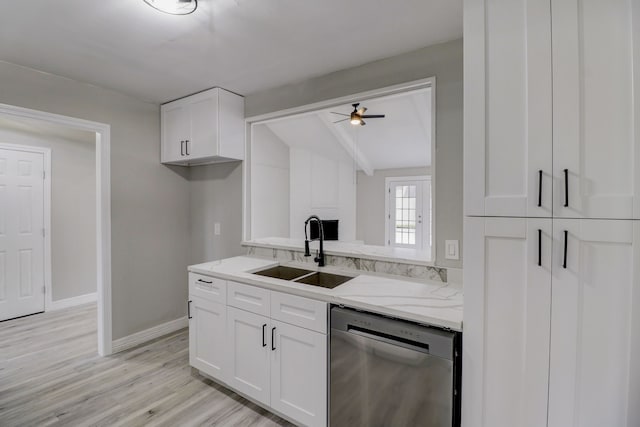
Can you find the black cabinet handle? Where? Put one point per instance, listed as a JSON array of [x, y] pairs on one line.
[[186, 147], [189, 310], [204, 281], [564, 262], [539, 247], [264, 338], [273, 338], [566, 188], [182, 148], [540, 188]]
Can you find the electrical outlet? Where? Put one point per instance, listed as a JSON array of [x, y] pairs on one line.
[[451, 249], [216, 229]]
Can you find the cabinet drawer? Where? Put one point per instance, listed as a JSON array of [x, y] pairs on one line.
[[249, 298], [209, 288], [299, 311]]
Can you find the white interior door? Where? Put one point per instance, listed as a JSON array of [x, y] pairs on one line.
[[594, 376], [21, 233], [409, 214]]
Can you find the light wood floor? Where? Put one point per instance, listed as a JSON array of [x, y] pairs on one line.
[[51, 374]]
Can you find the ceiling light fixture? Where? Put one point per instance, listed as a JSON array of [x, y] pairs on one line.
[[174, 7]]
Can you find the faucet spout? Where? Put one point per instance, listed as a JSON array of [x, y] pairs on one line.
[[320, 257]]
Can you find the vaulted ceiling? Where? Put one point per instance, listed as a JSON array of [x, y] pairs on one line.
[[242, 45]]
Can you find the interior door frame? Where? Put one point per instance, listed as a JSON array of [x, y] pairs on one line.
[[103, 209], [46, 155]]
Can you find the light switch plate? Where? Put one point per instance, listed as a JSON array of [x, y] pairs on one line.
[[451, 249], [216, 228]]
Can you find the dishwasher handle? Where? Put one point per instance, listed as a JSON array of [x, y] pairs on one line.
[[439, 343], [409, 345]]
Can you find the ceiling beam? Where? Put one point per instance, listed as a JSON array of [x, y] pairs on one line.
[[347, 142]]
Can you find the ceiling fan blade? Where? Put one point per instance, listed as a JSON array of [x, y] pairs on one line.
[[373, 116], [362, 123], [361, 111], [342, 114], [343, 120]]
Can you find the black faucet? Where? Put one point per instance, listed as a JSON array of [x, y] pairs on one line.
[[320, 257]]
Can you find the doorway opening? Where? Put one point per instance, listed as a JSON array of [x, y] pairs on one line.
[[102, 139]]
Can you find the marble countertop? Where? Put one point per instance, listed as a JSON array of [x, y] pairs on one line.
[[435, 303], [381, 253]]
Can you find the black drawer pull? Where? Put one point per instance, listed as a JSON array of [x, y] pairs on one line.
[[564, 262], [539, 248], [539, 188], [566, 188], [273, 338], [205, 281], [264, 338]]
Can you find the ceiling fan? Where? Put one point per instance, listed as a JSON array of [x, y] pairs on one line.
[[356, 116]]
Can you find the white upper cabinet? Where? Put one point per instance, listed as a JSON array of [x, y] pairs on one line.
[[207, 127], [595, 324], [507, 323], [508, 108], [596, 79], [551, 127]]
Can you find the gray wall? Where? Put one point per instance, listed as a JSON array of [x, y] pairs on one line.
[[215, 196], [149, 202], [444, 61], [73, 202], [370, 202]]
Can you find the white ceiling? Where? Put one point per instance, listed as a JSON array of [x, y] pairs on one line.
[[402, 139], [242, 45]]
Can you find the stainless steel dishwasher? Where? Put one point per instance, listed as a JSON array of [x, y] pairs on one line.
[[392, 373]]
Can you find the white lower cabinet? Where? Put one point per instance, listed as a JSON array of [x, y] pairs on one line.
[[595, 324], [551, 323], [249, 353], [208, 337], [507, 292], [298, 387], [281, 365]]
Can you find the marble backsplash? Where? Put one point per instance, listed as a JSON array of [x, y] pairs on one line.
[[355, 263]]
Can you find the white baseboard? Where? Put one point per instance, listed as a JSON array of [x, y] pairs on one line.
[[72, 302], [141, 337]]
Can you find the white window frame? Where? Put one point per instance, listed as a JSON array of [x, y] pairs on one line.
[[387, 208]]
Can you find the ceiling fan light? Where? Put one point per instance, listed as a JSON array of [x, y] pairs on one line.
[[355, 121], [174, 7]]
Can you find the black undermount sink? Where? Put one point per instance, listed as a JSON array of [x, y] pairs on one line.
[[308, 277], [325, 280], [284, 273]]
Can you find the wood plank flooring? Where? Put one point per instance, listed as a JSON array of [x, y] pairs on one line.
[[51, 375]]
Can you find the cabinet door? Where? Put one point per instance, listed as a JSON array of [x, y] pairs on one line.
[[507, 111], [507, 287], [595, 324], [175, 131], [299, 374], [208, 337], [203, 113], [596, 79], [249, 339]]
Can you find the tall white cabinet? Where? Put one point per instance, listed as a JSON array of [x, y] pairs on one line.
[[552, 202], [551, 88]]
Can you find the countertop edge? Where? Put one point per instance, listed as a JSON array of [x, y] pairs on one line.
[[322, 294]]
